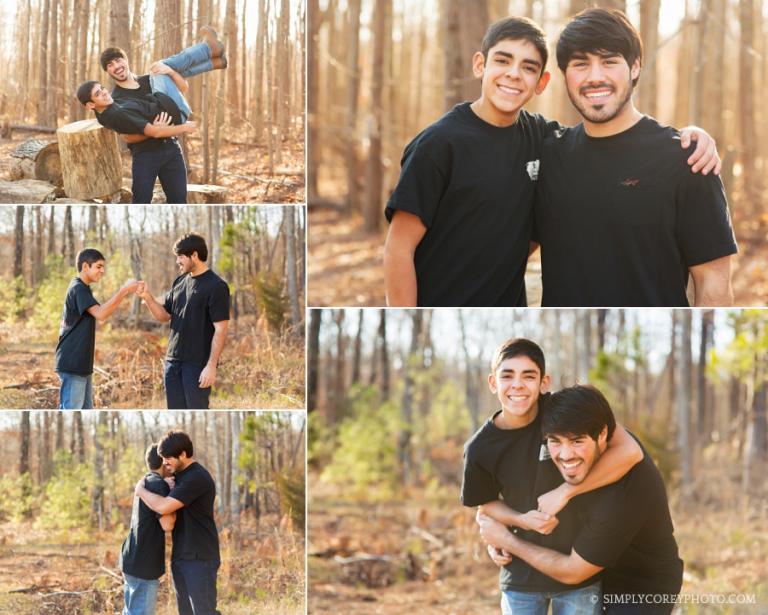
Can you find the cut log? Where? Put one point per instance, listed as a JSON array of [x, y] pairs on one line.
[[28, 191], [90, 160], [197, 194], [36, 159]]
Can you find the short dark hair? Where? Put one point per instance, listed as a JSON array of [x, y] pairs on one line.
[[84, 92], [90, 256], [516, 28], [599, 30], [174, 443], [517, 347], [576, 411], [153, 459], [187, 244], [109, 54]]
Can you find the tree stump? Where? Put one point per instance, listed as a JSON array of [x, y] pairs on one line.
[[90, 160], [197, 194], [36, 159]]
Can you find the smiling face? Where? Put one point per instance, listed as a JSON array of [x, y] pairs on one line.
[[93, 273], [118, 69], [511, 75], [517, 382], [187, 264], [100, 98], [574, 455], [600, 85]]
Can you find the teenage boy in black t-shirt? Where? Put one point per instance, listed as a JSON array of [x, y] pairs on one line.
[[505, 458], [142, 557], [462, 212], [626, 528], [195, 558], [197, 306], [620, 218], [77, 332]]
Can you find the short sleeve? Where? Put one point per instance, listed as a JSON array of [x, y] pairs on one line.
[[168, 303], [218, 302], [191, 488], [478, 486], [84, 298], [610, 527], [123, 121], [421, 185], [160, 487], [703, 225]]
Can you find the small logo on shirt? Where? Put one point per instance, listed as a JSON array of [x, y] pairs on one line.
[[544, 453], [532, 166], [630, 182]]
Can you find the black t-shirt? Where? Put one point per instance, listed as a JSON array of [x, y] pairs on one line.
[[195, 535], [628, 530], [77, 332], [143, 551], [620, 219], [515, 464], [135, 109], [472, 186], [195, 303]]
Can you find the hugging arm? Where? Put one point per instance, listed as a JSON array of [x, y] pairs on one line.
[[712, 283], [168, 521], [532, 520], [163, 505]]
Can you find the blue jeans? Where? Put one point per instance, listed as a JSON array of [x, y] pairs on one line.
[[182, 387], [582, 601], [76, 392], [188, 63], [165, 162], [140, 595], [195, 584]]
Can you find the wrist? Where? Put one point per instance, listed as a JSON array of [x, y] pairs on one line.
[[568, 491]]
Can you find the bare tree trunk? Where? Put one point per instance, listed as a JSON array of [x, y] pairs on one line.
[[42, 101], [373, 209], [353, 87], [751, 180], [290, 266], [358, 351], [97, 493], [18, 243], [683, 402], [649, 32], [313, 91], [313, 357], [404, 452], [24, 447]]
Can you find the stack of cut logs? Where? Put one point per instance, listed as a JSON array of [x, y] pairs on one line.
[[81, 165]]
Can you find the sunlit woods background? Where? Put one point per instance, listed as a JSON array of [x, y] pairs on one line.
[[259, 251], [382, 70], [67, 491], [394, 394], [51, 46]]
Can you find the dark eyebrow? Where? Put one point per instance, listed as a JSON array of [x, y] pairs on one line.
[[525, 371], [510, 56]]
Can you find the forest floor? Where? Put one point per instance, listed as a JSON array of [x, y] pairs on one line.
[[345, 264], [425, 556], [243, 168], [42, 572], [257, 370]]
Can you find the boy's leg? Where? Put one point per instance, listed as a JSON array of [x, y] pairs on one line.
[[191, 61], [524, 603], [196, 398], [166, 85], [199, 578], [140, 596], [88, 402], [174, 389], [144, 166], [173, 176], [582, 601], [73, 391]]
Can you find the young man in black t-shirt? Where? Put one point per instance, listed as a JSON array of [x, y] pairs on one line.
[[625, 528], [77, 332], [461, 215], [195, 558], [505, 458], [142, 556], [620, 218], [197, 307]]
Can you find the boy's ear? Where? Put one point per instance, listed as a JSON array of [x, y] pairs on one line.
[[478, 64], [90, 105], [492, 383], [543, 82], [635, 70], [545, 383]]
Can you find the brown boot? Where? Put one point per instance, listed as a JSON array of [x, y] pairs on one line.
[[210, 37], [219, 62]]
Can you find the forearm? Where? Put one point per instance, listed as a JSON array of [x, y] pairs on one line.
[[106, 309], [713, 295], [500, 511], [552, 563], [400, 277], [217, 346], [180, 82], [161, 132], [157, 310], [158, 503]]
